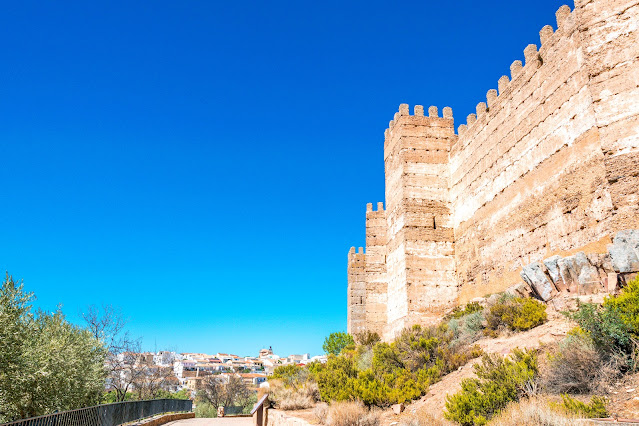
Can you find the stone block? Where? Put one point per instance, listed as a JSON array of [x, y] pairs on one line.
[[517, 290], [398, 408], [587, 273], [624, 251], [539, 281], [552, 267], [612, 282]]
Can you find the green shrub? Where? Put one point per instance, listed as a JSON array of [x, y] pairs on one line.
[[499, 381], [397, 372], [289, 374], [595, 409], [205, 409], [515, 313], [466, 329], [336, 342], [419, 348], [627, 305], [605, 326], [337, 380], [314, 368], [364, 358]]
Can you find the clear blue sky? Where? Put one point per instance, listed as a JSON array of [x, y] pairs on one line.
[[205, 165]]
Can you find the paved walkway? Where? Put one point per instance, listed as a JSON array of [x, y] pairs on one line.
[[222, 421]]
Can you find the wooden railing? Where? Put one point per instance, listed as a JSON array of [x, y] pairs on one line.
[[260, 412]]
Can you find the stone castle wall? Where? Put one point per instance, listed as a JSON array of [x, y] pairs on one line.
[[548, 165]]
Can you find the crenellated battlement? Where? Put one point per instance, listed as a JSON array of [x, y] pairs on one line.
[[403, 116], [353, 254], [380, 207], [533, 60], [543, 166]]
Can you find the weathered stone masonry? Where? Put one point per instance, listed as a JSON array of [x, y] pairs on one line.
[[548, 166]]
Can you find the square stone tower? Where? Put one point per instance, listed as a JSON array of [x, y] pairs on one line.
[[408, 270], [420, 250]]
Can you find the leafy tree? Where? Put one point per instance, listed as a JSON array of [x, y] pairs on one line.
[[15, 337], [111, 397], [335, 342], [48, 364], [220, 394]]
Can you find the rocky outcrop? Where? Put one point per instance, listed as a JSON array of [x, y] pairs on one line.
[[582, 273], [624, 251]]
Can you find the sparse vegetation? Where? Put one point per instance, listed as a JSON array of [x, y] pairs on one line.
[[468, 309], [590, 358], [499, 381]]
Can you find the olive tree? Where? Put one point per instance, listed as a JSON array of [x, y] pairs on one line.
[[48, 364]]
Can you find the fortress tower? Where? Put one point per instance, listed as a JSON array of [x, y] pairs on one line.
[[546, 166], [420, 249]]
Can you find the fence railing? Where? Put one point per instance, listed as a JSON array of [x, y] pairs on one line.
[[260, 412], [108, 414]]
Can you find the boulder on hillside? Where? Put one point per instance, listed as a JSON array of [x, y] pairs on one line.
[[624, 251], [535, 275]]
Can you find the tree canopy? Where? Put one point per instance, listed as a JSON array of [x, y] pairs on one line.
[[48, 364], [335, 342]]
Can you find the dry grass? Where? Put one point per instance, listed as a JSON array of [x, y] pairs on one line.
[[424, 418], [532, 412], [321, 412], [291, 397], [352, 413], [577, 367], [261, 392]]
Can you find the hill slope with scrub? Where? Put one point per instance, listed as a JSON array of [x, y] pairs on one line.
[[491, 359]]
